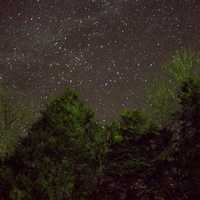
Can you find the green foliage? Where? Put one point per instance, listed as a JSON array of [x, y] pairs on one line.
[[162, 102], [66, 154], [162, 97], [68, 111], [189, 92], [184, 65], [58, 159], [15, 118], [126, 155], [133, 122], [117, 138]]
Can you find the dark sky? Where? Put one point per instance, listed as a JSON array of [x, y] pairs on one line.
[[108, 50]]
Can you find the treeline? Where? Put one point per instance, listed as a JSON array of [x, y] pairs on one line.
[[66, 154]]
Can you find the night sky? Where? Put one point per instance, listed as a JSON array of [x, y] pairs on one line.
[[108, 50]]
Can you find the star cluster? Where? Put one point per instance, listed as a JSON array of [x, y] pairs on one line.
[[108, 50]]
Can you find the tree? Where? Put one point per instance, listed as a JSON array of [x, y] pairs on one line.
[[186, 150], [15, 118], [162, 100], [57, 159]]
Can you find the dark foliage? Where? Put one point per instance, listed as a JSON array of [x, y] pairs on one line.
[[57, 158], [68, 155], [159, 164]]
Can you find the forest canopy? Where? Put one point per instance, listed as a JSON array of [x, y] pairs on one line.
[[66, 154]]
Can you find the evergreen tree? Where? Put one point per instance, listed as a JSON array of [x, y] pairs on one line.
[[57, 159]]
